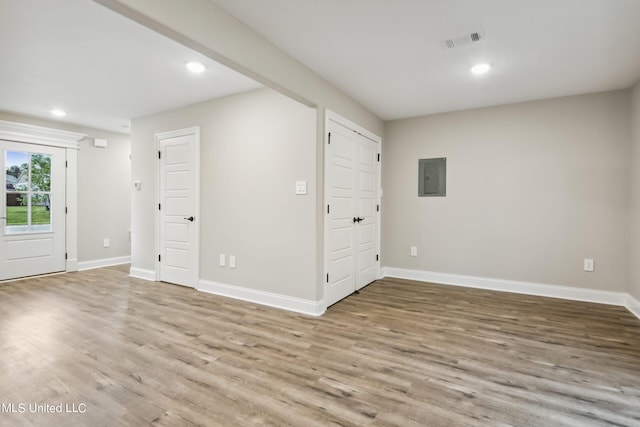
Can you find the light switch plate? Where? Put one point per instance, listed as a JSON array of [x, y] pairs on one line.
[[589, 265], [301, 187]]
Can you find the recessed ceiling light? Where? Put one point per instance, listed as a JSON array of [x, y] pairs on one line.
[[195, 67], [58, 113], [479, 69]]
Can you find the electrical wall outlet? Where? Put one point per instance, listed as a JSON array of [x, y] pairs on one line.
[[589, 264], [106, 243], [232, 261], [223, 260], [414, 251]]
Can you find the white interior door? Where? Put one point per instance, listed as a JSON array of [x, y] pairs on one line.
[[178, 154], [352, 211], [366, 196], [32, 209]]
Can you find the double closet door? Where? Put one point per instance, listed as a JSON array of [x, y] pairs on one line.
[[352, 211]]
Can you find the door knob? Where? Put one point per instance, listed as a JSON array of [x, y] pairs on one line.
[[191, 218]]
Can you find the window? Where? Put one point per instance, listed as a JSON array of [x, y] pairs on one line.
[[27, 192]]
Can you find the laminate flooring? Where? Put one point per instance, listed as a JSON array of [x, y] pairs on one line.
[[109, 350]]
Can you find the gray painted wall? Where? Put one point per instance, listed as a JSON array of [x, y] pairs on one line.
[[210, 30], [104, 197], [254, 146], [634, 235], [104, 193], [533, 189]]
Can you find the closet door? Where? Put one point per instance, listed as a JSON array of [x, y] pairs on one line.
[[351, 239], [365, 199]]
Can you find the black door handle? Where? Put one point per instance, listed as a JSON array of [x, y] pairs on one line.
[[358, 219], [191, 218]]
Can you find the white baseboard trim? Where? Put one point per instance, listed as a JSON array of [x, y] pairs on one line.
[[71, 265], [105, 262], [309, 307], [633, 305], [528, 288], [141, 273]]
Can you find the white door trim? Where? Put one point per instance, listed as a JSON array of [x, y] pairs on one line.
[[172, 134], [19, 132], [337, 118]]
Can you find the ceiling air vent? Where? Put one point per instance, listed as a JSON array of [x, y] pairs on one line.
[[463, 40]]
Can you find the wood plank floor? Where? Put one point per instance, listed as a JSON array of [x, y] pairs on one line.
[[126, 352]]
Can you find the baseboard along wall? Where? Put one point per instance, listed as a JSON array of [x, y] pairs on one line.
[[105, 262], [527, 288], [298, 305], [317, 308], [141, 273]]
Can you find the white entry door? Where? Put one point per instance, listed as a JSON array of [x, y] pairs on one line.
[[178, 155], [32, 210], [352, 211]]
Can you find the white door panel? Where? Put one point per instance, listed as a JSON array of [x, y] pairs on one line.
[[177, 206], [178, 238], [29, 249], [177, 233], [32, 210], [352, 228], [178, 180]]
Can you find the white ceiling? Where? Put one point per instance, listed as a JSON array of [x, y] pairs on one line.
[[98, 66], [104, 69], [388, 54]]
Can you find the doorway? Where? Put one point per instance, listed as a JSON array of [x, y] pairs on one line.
[[178, 206], [352, 227], [32, 210]]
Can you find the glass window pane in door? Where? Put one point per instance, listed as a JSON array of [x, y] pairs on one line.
[[40, 212], [17, 212], [16, 171], [40, 172]]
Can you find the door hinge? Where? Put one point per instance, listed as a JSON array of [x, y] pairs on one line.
[[327, 277], [159, 258], [377, 257], [328, 209], [66, 164], [66, 210], [159, 155], [159, 208], [65, 255], [377, 208], [378, 156], [329, 137]]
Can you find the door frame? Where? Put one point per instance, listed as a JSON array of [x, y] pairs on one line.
[[195, 130], [70, 141], [337, 118]]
